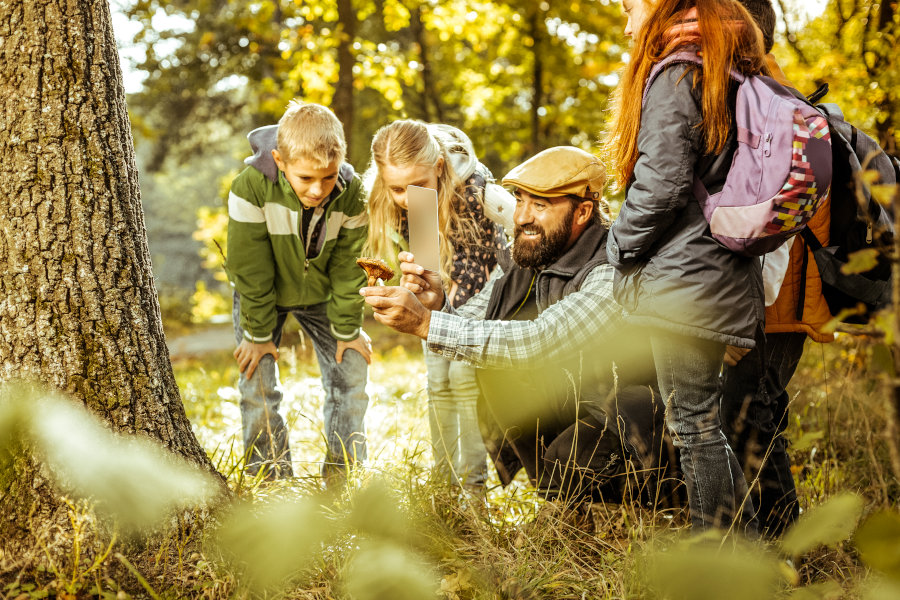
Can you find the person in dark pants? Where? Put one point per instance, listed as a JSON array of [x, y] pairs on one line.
[[755, 415], [754, 399]]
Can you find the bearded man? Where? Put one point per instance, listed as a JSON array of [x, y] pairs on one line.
[[558, 373]]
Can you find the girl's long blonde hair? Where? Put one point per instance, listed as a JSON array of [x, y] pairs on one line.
[[407, 143], [728, 40]]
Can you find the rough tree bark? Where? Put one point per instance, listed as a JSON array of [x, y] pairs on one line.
[[78, 307]]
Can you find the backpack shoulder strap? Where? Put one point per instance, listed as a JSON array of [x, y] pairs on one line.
[[817, 95], [680, 57], [811, 240], [688, 56]]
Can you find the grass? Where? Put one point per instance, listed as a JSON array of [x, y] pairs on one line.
[[396, 413], [392, 532]]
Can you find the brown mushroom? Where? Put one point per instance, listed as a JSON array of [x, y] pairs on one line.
[[375, 269]]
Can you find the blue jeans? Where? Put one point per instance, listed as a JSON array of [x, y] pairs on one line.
[[264, 432], [754, 417], [456, 444], [688, 371]]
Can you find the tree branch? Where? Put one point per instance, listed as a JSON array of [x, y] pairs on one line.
[[843, 19], [863, 42]]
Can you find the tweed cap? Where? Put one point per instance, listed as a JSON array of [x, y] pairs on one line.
[[560, 171]]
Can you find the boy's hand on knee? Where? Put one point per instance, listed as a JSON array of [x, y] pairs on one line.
[[249, 354], [362, 344]]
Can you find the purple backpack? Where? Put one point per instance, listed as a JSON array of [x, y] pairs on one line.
[[780, 171]]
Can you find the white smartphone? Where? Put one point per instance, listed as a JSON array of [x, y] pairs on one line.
[[424, 239]]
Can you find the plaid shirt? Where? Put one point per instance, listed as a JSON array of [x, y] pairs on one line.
[[586, 316]]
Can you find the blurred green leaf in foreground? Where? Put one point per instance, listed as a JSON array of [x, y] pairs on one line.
[[878, 541], [827, 524], [128, 478], [700, 568]]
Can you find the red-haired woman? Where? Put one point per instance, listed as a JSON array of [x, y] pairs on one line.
[[693, 296]]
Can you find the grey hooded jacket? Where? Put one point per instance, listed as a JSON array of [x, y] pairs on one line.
[[670, 272]]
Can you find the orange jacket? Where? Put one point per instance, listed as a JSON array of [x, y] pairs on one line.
[[781, 317]]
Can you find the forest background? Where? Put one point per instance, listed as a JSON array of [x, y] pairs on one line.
[[517, 77]]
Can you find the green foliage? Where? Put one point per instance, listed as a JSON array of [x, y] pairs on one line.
[[178, 205], [386, 570], [808, 440], [829, 590], [376, 510], [878, 540], [400, 535], [281, 542], [884, 194], [827, 524], [270, 544], [212, 228], [129, 478], [852, 46], [882, 358], [861, 261], [517, 77], [703, 569], [881, 589]]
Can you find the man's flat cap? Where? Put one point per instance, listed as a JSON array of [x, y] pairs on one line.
[[560, 171]]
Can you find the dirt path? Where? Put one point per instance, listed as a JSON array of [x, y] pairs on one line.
[[209, 339]]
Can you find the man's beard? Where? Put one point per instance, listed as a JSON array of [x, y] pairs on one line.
[[534, 255]]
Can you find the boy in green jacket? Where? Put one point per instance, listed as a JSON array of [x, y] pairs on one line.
[[297, 222]]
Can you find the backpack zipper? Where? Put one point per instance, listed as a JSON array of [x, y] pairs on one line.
[[869, 233], [767, 148]]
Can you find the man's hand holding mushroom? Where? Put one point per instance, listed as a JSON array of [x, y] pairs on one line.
[[407, 308], [376, 269]]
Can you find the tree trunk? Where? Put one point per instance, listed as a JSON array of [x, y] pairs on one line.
[[429, 88], [78, 307], [536, 31], [342, 104], [891, 103]]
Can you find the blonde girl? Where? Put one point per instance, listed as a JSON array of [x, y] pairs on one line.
[[440, 157]]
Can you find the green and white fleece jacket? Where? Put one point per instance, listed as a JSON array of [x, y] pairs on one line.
[[267, 261]]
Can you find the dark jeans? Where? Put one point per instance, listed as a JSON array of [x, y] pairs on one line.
[[688, 370], [574, 441], [628, 457], [264, 432], [755, 415]]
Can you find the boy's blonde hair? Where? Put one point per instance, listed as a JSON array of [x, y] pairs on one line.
[[311, 131], [406, 143]]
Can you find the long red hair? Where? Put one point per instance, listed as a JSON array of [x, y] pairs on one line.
[[728, 40]]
